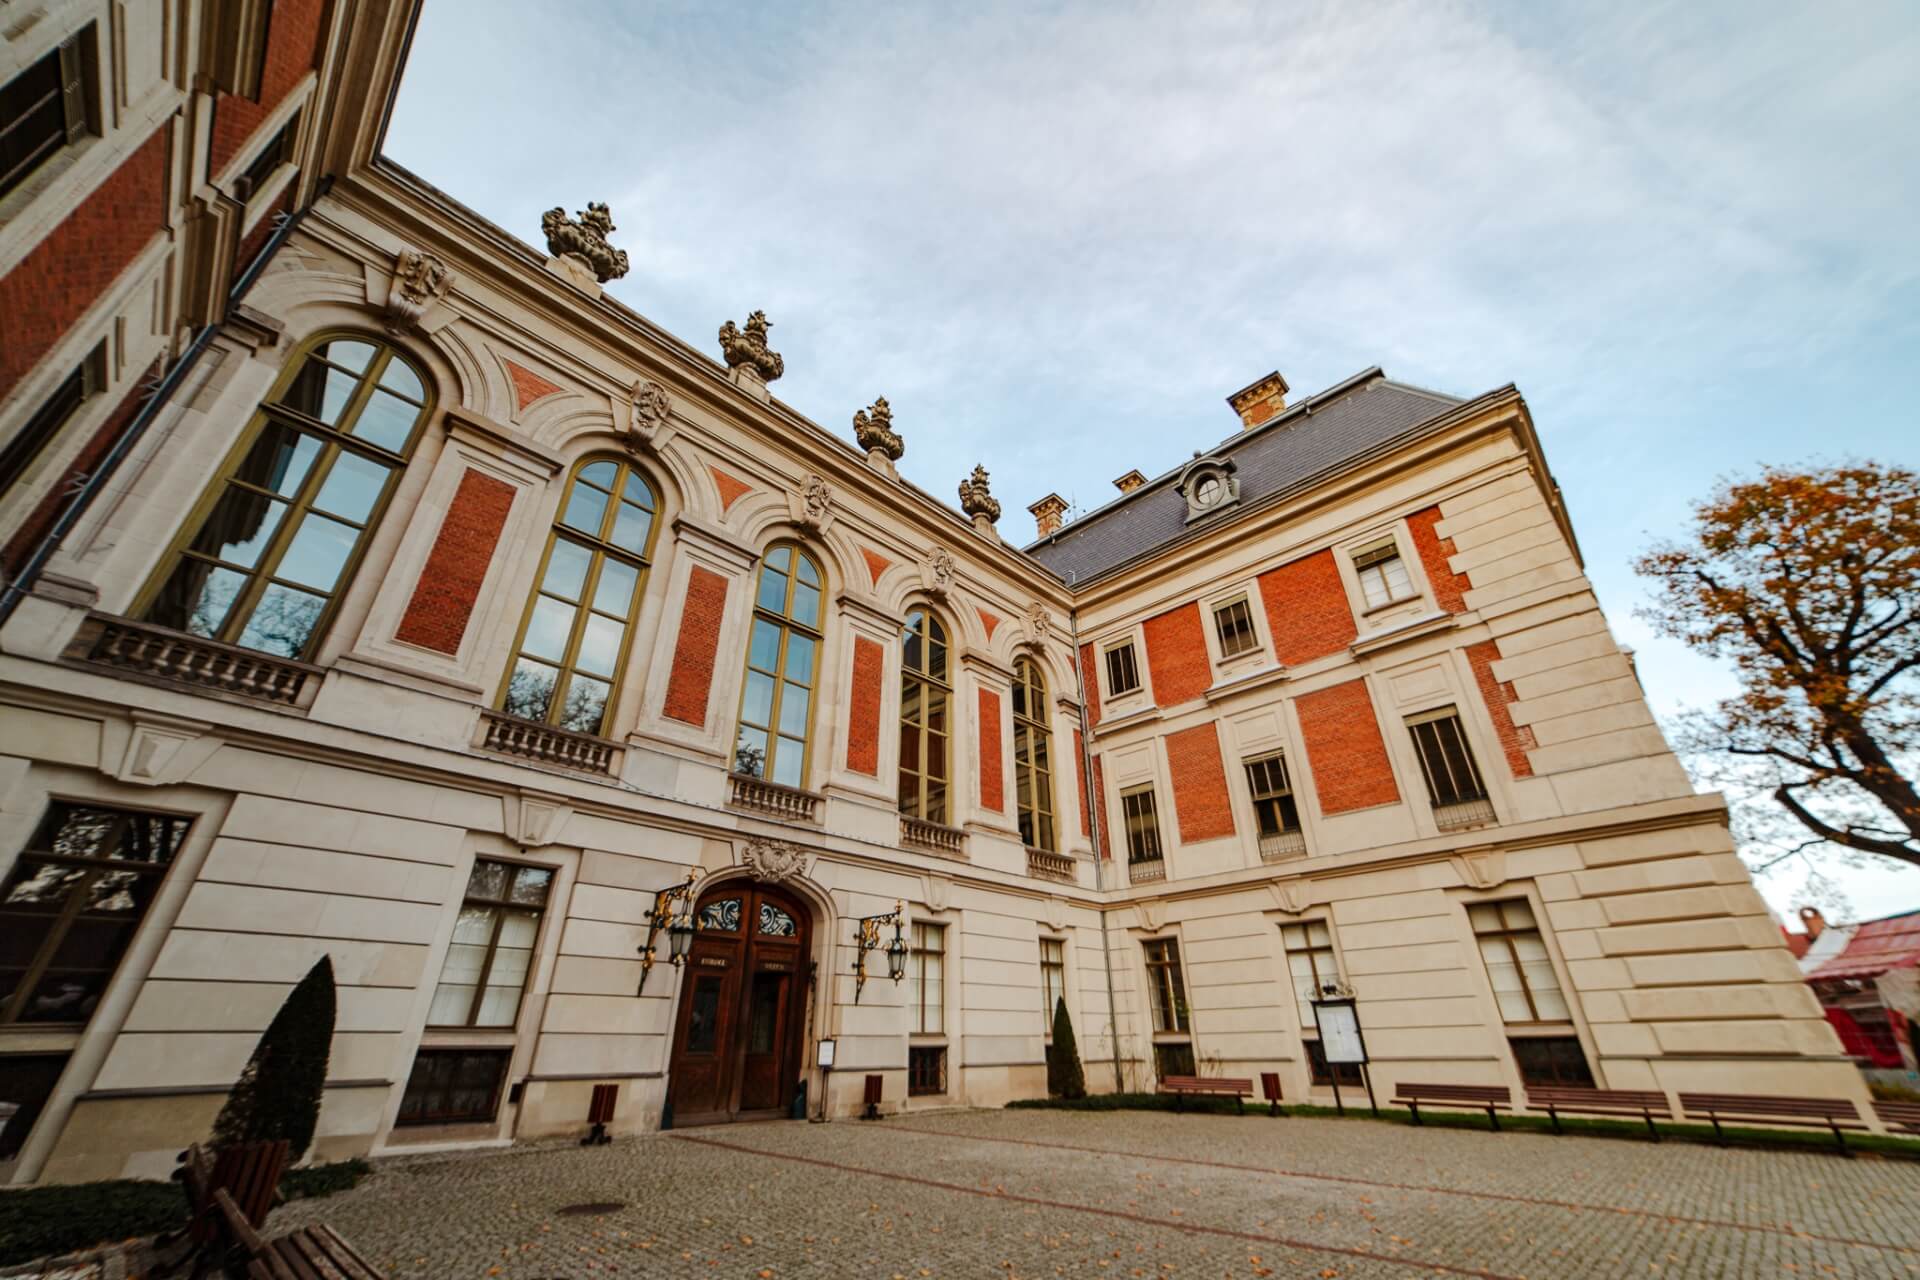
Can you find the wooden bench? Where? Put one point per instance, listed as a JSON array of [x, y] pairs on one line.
[[1903, 1116], [1836, 1114], [1181, 1086], [1645, 1103], [1490, 1098], [249, 1174], [308, 1253]]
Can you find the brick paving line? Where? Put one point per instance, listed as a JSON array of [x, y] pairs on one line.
[[1190, 1228], [1571, 1205]]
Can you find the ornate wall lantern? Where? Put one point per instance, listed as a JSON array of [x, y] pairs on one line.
[[673, 911], [868, 939]]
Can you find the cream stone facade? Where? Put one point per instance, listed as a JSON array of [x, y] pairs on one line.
[[1412, 597]]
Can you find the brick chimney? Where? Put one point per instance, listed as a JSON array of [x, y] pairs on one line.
[[1813, 922], [1129, 482], [1049, 513], [1260, 401]]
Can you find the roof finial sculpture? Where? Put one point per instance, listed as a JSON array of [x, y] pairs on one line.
[[585, 240], [748, 348], [873, 429], [976, 501]]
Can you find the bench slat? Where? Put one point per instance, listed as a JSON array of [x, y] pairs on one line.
[[344, 1257]]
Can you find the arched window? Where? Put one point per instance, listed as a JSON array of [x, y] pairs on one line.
[[573, 642], [783, 661], [263, 559], [924, 724], [1032, 755]]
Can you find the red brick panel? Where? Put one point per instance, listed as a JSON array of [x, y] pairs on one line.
[[528, 386], [1080, 778], [80, 259], [1449, 588], [877, 564], [1100, 807], [1177, 656], [1350, 768], [993, 788], [1307, 608], [443, 599], [731, 490], [693, 653], [1199, 784], [863, 709], [1090, 681], [987, 620], [1514, 739], [293, 49]]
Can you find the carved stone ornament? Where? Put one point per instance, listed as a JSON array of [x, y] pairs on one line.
[[936, 574], [773, 861], [652, 413], [419, 281], [1039, 622], [749, 347], [873, 429], [1482, 869], [585, 239], [974, 498], [1292, 895], [817, 497]]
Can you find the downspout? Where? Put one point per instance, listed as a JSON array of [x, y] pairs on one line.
[[1094, 817], [170, 381]]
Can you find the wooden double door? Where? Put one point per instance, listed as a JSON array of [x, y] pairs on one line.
[[737, 1045]]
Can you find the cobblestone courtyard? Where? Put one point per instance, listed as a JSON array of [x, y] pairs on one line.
[[1031, 1194]]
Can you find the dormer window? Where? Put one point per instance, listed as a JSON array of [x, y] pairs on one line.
[[1210, 486]]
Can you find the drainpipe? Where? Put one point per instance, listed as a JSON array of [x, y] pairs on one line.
[[1094, 817], [170, 381]]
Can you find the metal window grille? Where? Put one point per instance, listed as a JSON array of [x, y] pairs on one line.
[[453, 1086], [926, 1070]]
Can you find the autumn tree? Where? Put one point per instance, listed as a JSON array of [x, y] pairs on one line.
[[1808, 582]]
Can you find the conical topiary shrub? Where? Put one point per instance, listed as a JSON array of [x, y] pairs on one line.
[[278, 1093], [1065, 1078]]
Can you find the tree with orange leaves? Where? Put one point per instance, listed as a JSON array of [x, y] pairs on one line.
[[1809, 583]]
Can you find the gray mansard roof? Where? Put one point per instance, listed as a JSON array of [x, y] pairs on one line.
[[1311, 438]]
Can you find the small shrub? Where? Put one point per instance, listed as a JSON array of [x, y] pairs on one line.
[[39, 1221], [278, 1093], [1065, 1077]]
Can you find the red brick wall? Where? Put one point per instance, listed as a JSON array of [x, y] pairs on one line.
[[80, 259], [1199, 784], [293, 49], [993, 790], [863, 708], [1100, 805], [1080, 778], [528, 386], [1514, 739], [1177, 656], [1350, 768], [1449, 588], [1307, 608], [730, 489], [987, 620], [443, 599], [1090, 681], [693, 652], [877, 564]]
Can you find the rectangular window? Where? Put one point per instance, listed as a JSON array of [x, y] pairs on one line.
[[492, 950], [1274, 808], [1551, 1060], [926, 1070], [1166, 991], [1523, 980], [1053, 978], [1143, 825], [1383, 575], [926, 980], [19, 453], [1324, 1072], [1446, 762], [1233, 624], [26, 1082], [1123, 673], [1310, 965], [453, 1086], [1173, 1059], [259, 171], [47, 108], [73, 902]]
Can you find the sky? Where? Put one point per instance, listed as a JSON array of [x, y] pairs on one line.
[[1057, 235]]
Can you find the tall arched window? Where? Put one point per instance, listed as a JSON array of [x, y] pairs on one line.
[[783, 662], [924, 722], [1032, 755], [262, 560], [574, 640]]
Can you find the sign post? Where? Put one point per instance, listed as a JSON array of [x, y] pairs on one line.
[[1341, 1043], [824, 1061]]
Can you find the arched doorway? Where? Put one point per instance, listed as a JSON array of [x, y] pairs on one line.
[[738, 1041]]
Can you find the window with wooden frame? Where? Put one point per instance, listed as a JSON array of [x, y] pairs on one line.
[[783, 662], [1142, 823], [1032, 756], [1274, 809], [1123, 671], [1311, 966], [267, 161], [272, 544], [485, 972], [1524, 984], [1233, 627], [1382, 574], [1053, 978], [927, 979], [1446, 761], [48, 107], [925, 717], [72, 904], [454, 1086], [1166, 986], [18, 455], [926, 1070], [578, 626]]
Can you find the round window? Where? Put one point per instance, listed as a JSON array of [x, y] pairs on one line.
[[1207, 492]]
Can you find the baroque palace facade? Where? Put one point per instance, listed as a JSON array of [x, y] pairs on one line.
[[378, 588]]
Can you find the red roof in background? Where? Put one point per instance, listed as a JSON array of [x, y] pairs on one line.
[[1876, 946], [1797, 943]]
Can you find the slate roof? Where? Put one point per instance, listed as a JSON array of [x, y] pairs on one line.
[[1312, 438]]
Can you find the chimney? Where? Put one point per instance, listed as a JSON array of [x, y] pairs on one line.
[[1129, 482], [1260, 401], [1813, 922], [1048, 513]]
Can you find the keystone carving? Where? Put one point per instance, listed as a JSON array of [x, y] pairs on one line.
[[873, 429], [1039, 622], [936, 572], [773, 861], [585, 239], [974, 498], [419, 281], [818, 496], [748, 347], [652, 414]]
